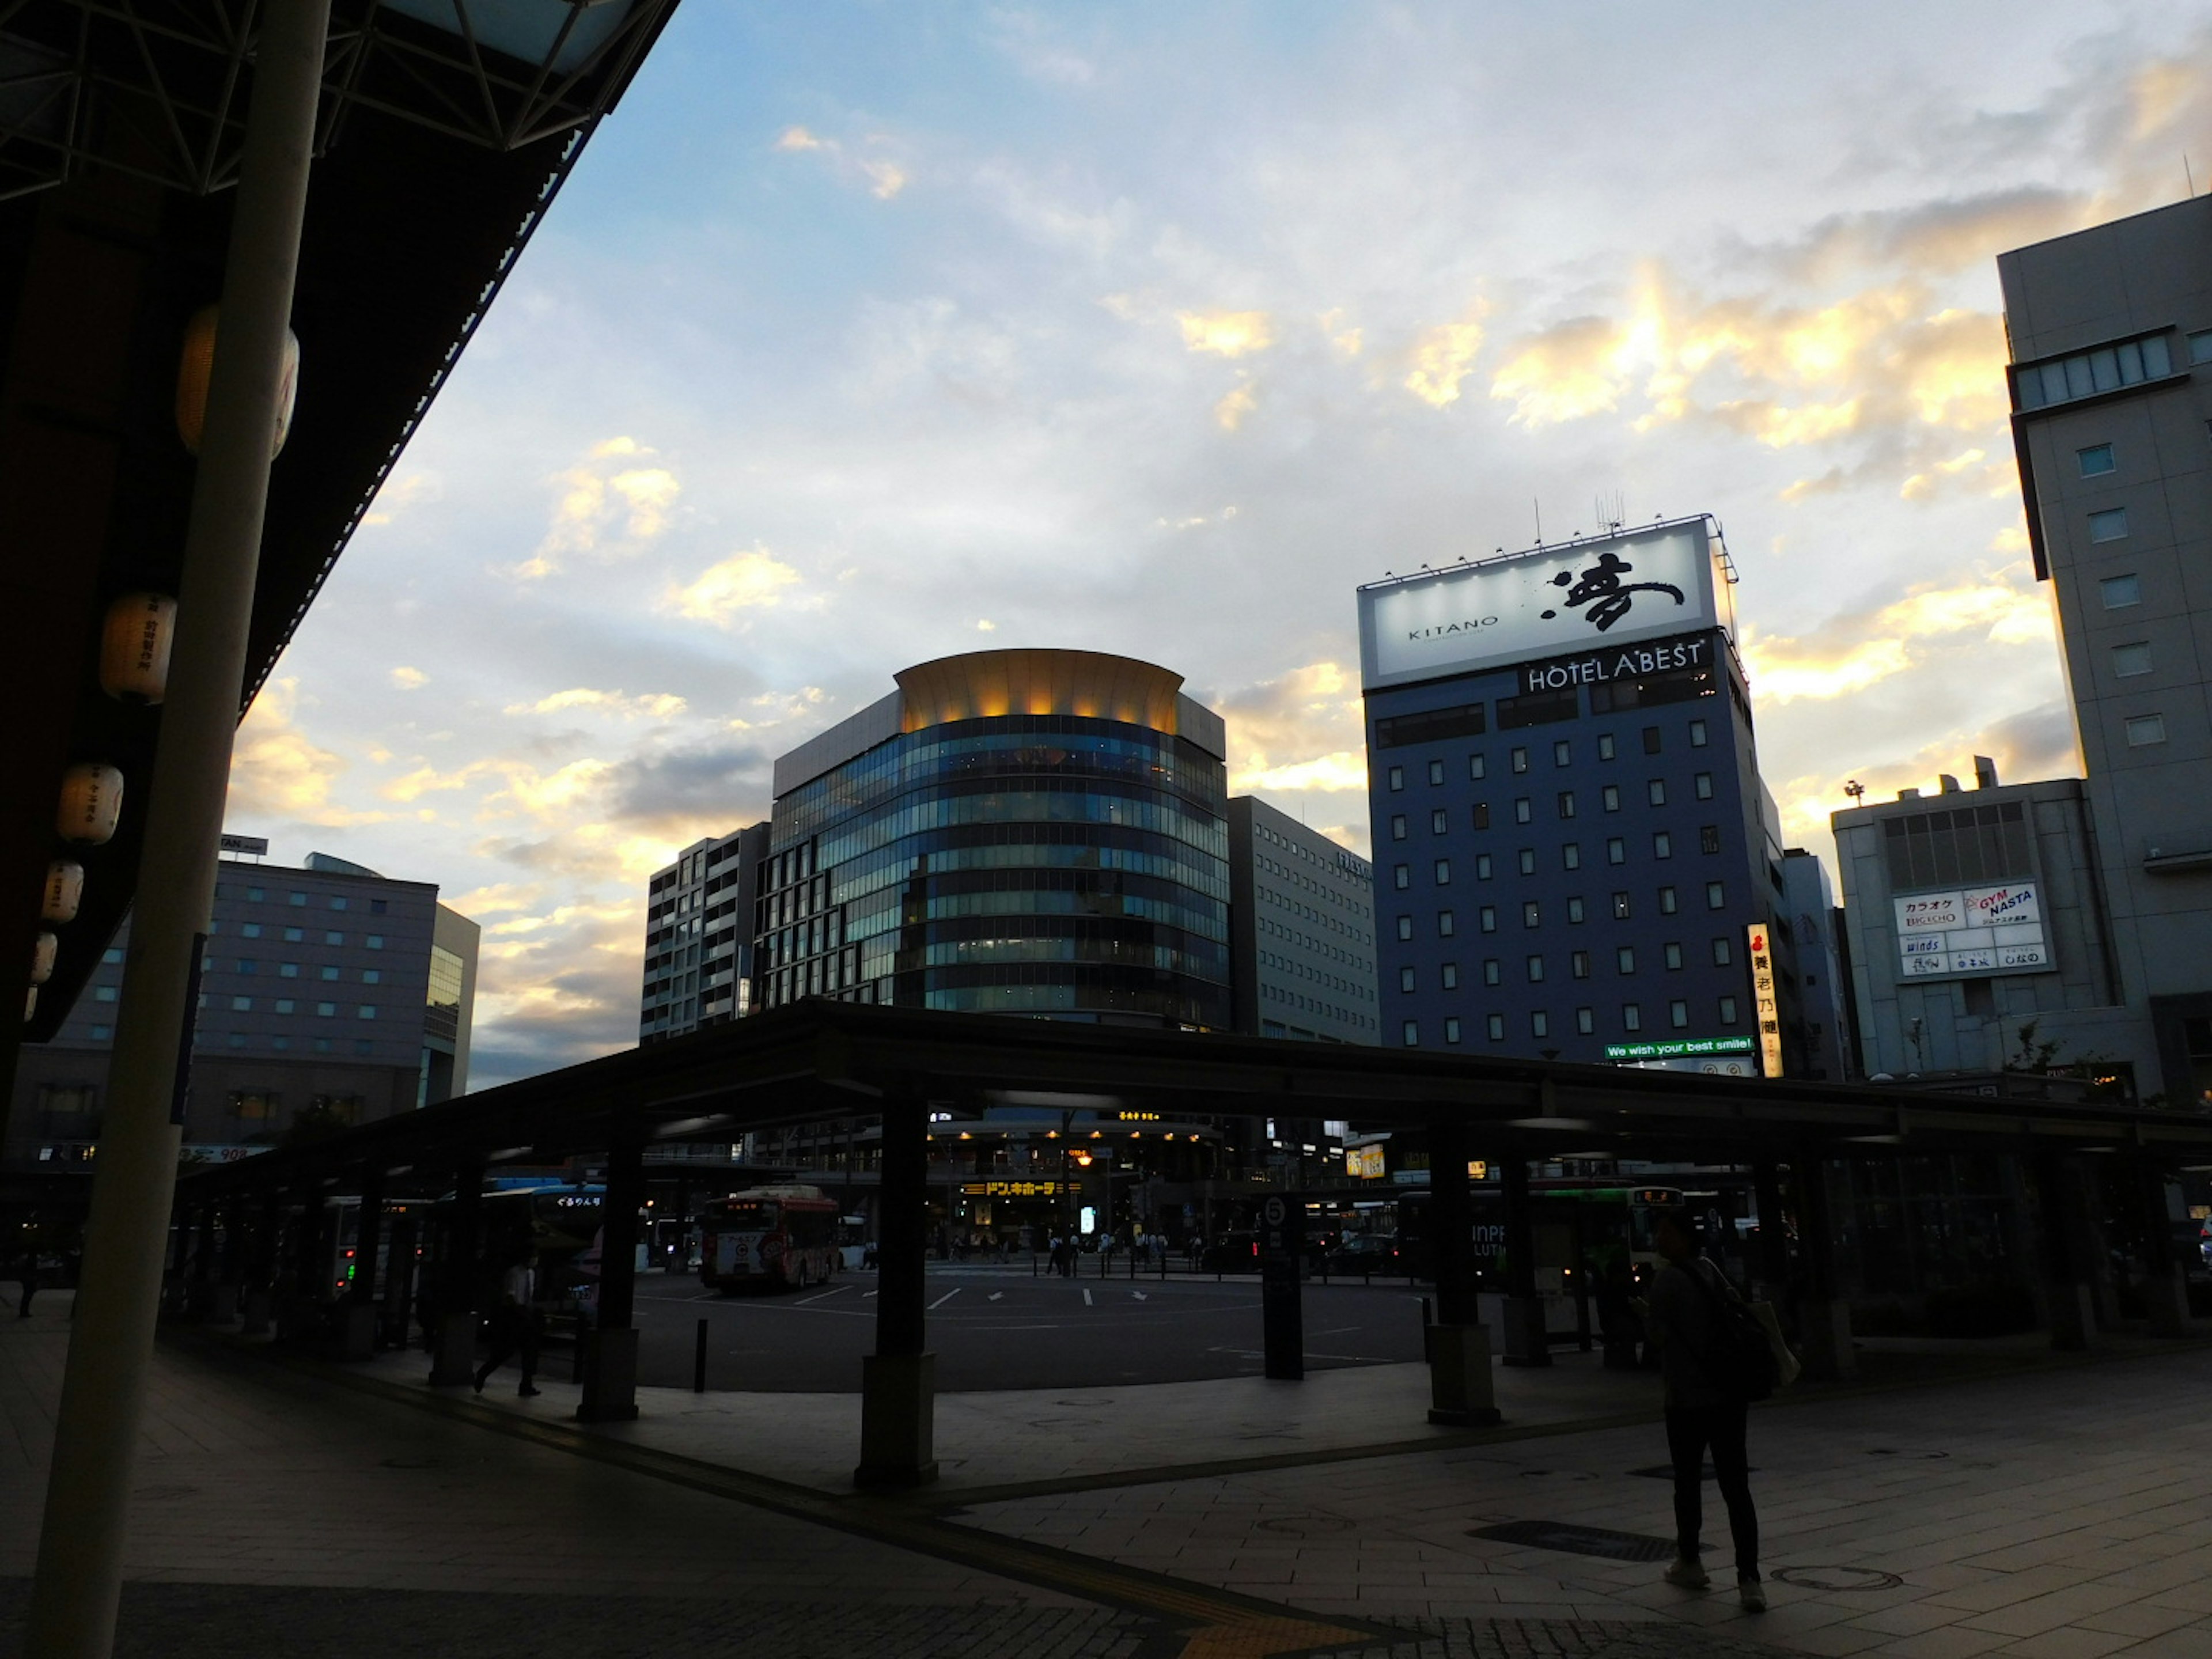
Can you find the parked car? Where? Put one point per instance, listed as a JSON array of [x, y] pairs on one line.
[[1366, 1253]]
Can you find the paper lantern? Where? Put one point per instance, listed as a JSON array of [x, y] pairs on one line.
[[42, 958], [134, 647], [198, 363], [30, 1003], [91, 803], [65, 890]]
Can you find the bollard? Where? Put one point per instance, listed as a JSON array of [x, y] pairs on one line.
[[699, 1361]]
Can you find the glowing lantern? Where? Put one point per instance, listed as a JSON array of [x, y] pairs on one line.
[[198, 363], [91, 803], [42, 958], [134, 647], [65, 890]]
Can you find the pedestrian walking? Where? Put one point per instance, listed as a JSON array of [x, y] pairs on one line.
[[514, 1324], [1706, 1408]]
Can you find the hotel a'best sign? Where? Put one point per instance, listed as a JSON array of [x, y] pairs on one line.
[[1636, 585]]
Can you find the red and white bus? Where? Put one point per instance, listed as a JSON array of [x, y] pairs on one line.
[[774, 1237]]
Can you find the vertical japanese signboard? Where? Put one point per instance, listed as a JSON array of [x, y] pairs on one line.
[[1763, 1002]]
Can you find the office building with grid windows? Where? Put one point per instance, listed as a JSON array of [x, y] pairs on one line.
[[699, 936], [1024, 832], [328, 994], [1302, 921], [1574, 858]]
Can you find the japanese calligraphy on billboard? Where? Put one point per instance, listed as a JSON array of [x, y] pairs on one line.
[[1763, 1003], [1548, 602], [1973, 930]]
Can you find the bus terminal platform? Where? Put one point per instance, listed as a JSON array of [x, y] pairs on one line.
[[1959, 1499]]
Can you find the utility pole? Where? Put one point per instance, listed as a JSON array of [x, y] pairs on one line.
[[81, 1542]]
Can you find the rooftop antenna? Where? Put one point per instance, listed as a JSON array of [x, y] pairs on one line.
[[1854, 788], [1611, 511], [1540, 518], [2189, 175]]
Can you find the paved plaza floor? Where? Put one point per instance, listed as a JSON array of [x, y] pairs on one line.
[[1985, 1501]]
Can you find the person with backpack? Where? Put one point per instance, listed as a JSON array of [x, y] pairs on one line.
[[1715, 1360]]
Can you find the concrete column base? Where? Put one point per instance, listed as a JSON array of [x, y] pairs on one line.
[[222, 1304], [2167, 1295], [257, 1306], [1460, 1390], [1826, 1327], [610, 1377], [898, 1422], [1526, 1343], [356, 1326], [2073, 1310], [453, 1359]]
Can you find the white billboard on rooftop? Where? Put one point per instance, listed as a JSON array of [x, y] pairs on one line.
[[1604, 590]]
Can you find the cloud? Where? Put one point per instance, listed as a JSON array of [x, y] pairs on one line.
[[605, 508], [884, 179], [727, 782], [659, 707], [1443, 357], [402, 491], [1933, 238], [794, 139], [1226, 333], [2002, 613], [722, 593], [277, 771], [1856, 651], [1301, 733], [1229, 414], [410, 679]]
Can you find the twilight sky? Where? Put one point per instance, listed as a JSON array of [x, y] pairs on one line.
[[867, 333]]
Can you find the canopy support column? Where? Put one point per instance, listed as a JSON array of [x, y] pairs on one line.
[[898, 1382], [1461, 1388], [453, 1358], [610, 1349], [1527, 1342], [1824, 1317]]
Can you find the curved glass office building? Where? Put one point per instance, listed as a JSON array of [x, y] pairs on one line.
[[1021, 832]]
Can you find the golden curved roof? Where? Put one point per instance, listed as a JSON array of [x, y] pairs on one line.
[[1090, 683]]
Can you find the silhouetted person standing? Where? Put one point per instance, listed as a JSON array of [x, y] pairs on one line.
[[1688, 1304], [26, 1280], [515, 1329]]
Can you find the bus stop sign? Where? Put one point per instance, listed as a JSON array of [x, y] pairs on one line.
[[1282, 1249]]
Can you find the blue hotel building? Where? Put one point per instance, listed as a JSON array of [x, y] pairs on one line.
[[1574, 858]]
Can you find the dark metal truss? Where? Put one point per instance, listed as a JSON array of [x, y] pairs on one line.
[[157, 88]]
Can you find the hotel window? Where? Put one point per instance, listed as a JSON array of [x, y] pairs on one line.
[[2145, 730], [1656, 792], [330, 973], [1482, 815], [1624, 959], [1571, 855], [1716, 895], [1697, 734], [1721, 954], [1704, 782], [1397, 826], [1575, 910], [1401, 876], [1663, 845], [1451, 1030], [249, 930], [1616, 849], [1651, 740], [1728, 1010], [1397, 782], [1492, 972], [1412, 1033], [1444, 928], [246, 964], [1566, 803], [2095, 460], [295, 898], [2121, 591], [1620, 907], [326, 1009], [1605, 745], [1678, 1015], [1436, 773], [1520, 760], [257, 893], [1527, 860], [295, 935], [334, 938], [1439, 821], [1578, 963], [365, 1011], [337, 901], [1585, 1021], [1496, 1023], [378, 906], [1667, 901], [286, 1005], [1474, 769], [1482, 866], [1523, 812], [2129, 660], [241, 1005], [1563, 753], [1535, 970], [1672, 951], [1709, 838], [2200, 346], [1540, 1022], [1405, 979], [1610, 797], [1631, 1017], [2084, 374], [1448, 976], [1531, 914], [2109, 525], [1405, 927], [372, 976], [288, 971]]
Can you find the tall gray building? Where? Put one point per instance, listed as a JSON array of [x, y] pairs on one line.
[[699, 936], [2110, 333], [326, 991], [1302, 930]]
